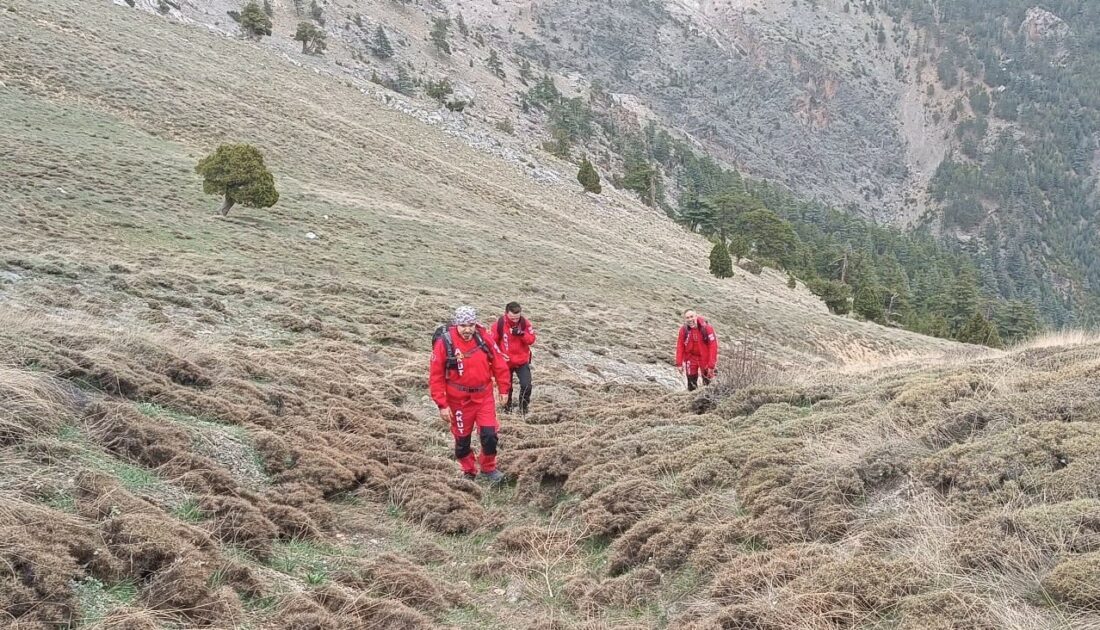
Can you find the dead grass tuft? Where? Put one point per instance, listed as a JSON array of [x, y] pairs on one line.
[[187, 587], [394, 577], [1076, 581], [946, 610]]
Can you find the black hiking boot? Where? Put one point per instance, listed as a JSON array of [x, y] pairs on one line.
[[495, 478]]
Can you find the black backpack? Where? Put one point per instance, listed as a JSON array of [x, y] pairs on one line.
[[444, 333]]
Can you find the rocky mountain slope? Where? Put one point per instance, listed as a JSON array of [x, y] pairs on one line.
[[885, 108], [222, 422]]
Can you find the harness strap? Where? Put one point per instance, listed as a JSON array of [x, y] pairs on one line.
[[468, 390]]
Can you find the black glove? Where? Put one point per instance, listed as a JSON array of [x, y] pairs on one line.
[[517, 331]]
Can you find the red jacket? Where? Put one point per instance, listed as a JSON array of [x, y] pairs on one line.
[[692, 346], [475, 378], [517, 347]]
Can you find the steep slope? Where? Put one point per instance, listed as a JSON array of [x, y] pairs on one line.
[[888, 109], [215, 422]]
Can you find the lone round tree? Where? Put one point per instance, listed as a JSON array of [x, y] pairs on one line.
[[720, 264], [254, 22], [237, 172], [589, 178]]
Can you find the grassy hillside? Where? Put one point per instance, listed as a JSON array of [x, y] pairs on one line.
[[223, 422]]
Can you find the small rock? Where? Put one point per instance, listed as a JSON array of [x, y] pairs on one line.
[[311, 235]]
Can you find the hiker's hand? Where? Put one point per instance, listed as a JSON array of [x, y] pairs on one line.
[[500, 399], [445, 415]]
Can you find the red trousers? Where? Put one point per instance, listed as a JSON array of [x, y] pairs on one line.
[[466, 413]]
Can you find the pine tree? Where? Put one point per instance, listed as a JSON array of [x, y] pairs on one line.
[[312, 38], [720, 264], [268, 9], [404, 83], [382, 47], [440, 28], [317, 12], [963, 301], [254, 22], [739, 247], [495, 64], [868, 305], [525, 72], [237, 172], [979, 330], [439, 90], [588, 177], [1017, 321], [836, 295], [791, 282], [461, 24]]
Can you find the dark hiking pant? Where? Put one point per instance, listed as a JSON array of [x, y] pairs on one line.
[[524, 373], [693, 382]]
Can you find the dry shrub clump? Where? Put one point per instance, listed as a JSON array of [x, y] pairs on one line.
[[184, 588], [848, 590], [617, 507], [1076, 581], [444, 504], [238, 522], [44, 552], [355, 610], [1029, 536], [33, 405], [1049, 459], [394, 577], [627, 591], [748, 575], [669, 538], [946, 610]]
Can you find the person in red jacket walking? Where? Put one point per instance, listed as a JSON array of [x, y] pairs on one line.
[[514, 335], [696, 350], [465, 362]]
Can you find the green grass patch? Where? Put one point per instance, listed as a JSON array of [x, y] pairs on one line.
[[97, 599], [189, 512], [62, 501], [469, 617], [311, 561]]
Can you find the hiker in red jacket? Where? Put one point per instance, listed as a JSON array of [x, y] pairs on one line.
[[514, 335], [465, 362], [696, 350]]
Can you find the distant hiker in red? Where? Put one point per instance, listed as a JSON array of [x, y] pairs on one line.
[[696, 350], [465, 362], [515, 336]]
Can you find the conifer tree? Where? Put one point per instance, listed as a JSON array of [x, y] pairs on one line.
[[979, 330], [440, 28], [868, 305], [720, 264], [312, 38], [382, 47], [254, 22], [461, 24], [237, 172], [495, 64], [588, 177]]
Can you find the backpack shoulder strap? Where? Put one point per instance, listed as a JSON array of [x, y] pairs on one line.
[[448, 343], [481, 344], [500, 327]]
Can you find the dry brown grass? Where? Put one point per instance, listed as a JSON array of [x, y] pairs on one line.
[[914, 484]]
